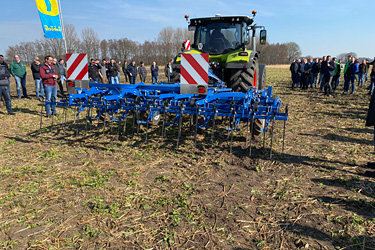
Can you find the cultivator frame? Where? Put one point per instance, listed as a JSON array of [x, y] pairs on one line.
[[116, 102]]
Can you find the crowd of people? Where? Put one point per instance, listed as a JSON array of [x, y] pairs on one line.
[[109, 71], [325, 73], [51, 73]]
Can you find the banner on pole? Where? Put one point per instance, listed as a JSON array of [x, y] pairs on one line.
[[50, 18]]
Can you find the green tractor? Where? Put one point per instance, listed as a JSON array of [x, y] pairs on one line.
[[226, 40]]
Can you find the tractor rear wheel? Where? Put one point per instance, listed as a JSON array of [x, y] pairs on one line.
[[243, 79]]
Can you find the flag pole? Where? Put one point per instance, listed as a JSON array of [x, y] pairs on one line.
[[62, 27]]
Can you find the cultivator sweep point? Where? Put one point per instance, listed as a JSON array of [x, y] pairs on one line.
[[148, 105]]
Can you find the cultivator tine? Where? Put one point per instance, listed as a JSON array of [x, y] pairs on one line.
[[179, 123], [213, 125], [75, 115], [232, 128], [264, 133], [196, 126], [247, 132], [164, 120], [125, 121], [286, 112], [273, 123], [256, 104], [147, 122], [138, 115], [133, 121], [105, 118]]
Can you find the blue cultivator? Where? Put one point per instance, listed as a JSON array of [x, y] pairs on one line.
[[151, 104]]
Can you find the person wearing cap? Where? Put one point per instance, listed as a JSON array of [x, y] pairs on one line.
[[38, 80], [18, 71]]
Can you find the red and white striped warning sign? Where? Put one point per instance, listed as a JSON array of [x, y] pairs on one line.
[[194, 68], [77, 66], [187, 44]]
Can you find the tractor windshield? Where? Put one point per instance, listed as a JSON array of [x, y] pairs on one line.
[[218, 38]]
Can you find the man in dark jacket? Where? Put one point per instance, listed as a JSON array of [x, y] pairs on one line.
[[315, 71], [132, 72], [154, 73], [113, 71], [328, 75], [36, 75], [94, 71], [168, 70], [294, 70], [307, 73], [361, 72], [4, 92], [142, 72], [322, 72], [124, 67]]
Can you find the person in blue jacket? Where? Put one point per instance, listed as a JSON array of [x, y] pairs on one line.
[[350, 72]]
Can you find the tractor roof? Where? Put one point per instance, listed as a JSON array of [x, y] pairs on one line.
[[219, 19]]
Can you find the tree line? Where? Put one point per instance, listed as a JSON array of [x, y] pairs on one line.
[[167, 45]]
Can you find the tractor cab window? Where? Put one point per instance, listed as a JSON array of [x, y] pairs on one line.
[[218, 38]]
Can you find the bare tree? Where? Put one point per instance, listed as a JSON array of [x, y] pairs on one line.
[[90, 43], [71, 37], [344, 56], [293, 50], [165, 40], [104, 49]]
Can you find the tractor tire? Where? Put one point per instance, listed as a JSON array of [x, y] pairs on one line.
[[243, 79], [258, 126], [175, 77]]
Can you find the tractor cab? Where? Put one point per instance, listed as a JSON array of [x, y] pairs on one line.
[[220, 35]]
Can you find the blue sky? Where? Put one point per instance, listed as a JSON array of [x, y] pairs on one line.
[[319, 27]]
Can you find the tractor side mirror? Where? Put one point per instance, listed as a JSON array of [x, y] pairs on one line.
[[263, 36]]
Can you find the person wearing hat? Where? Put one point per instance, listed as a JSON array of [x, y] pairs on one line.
[[38, 80]]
